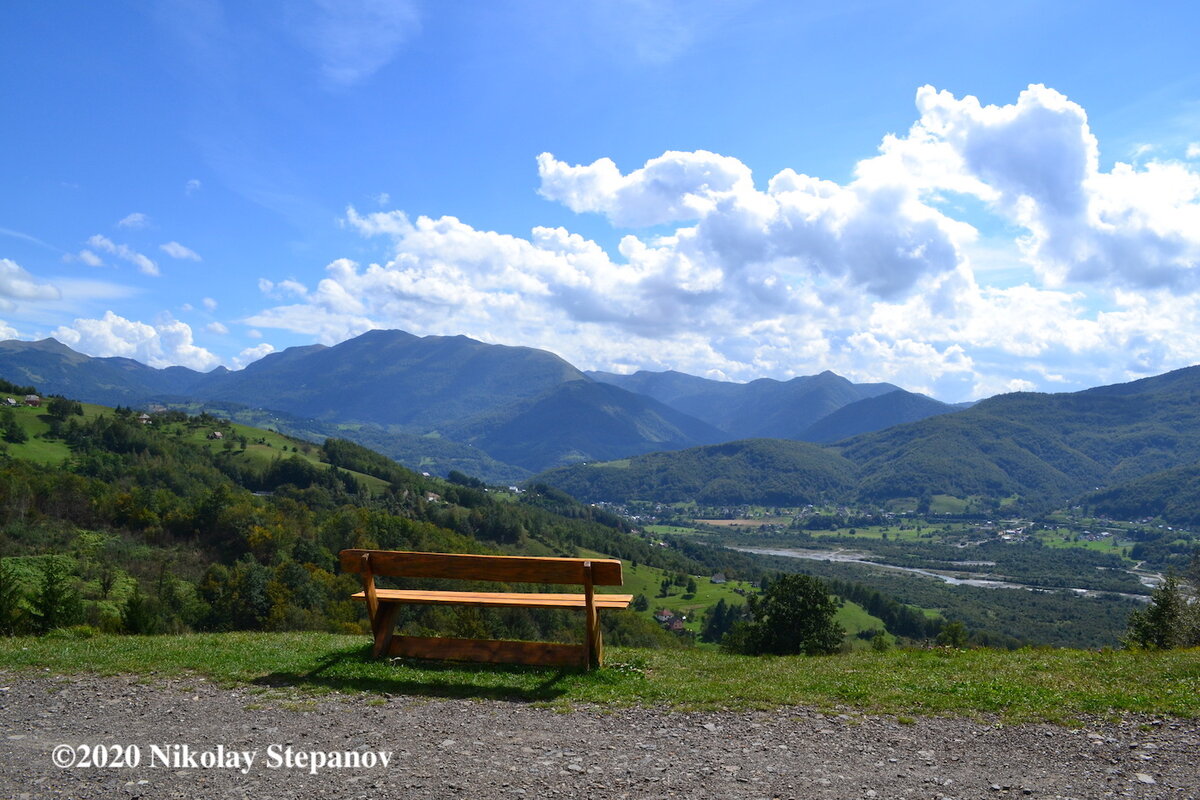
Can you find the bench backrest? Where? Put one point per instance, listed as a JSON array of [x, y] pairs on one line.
[[506, 569]]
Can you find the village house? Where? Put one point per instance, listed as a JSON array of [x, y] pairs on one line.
[[33, 401]]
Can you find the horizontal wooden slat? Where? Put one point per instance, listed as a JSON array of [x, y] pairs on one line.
[[496, 599], [507, 569], [495, 652]]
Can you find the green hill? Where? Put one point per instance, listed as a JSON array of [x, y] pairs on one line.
[[1045, 448], [755, 471], [874, 414], [395, 378], [581, 421], [1172, 495]]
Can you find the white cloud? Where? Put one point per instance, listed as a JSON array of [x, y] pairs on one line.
[[191, 187], [17, 284], [283, 289], [209, 303], [7, 331], [217, 328], [252, 354], [353, 39], [1037, 163], [134, 221], [124, 252], [176, 250], [872, 278], [90, 258], [1193, 150], [166, 343]]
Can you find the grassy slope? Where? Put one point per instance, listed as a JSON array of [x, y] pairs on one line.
[[1043, 684], [263, 447]]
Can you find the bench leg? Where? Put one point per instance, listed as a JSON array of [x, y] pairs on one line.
[[593, 647], [383, 626]]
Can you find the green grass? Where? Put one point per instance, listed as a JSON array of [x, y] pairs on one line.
[[672, 530], [34, 422], [1064, 537], [894, 532], [947, 504], [1052, 685]]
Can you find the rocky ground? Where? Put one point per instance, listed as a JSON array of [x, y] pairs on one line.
[[489, 749]]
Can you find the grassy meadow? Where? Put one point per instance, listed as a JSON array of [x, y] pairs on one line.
[[1062, 686]]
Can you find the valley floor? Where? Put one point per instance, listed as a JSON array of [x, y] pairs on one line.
[[496, 749]]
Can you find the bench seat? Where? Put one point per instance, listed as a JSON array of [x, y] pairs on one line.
[[384, 605], [496, 599]]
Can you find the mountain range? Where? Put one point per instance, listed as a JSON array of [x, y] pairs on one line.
[[449, 402], [504, 413], [1129, 448]]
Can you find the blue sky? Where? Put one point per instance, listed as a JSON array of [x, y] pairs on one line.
[[962, 199]]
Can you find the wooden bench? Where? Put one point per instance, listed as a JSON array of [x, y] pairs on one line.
[[384, 604]]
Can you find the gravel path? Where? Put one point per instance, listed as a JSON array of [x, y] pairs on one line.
[[490, 749]]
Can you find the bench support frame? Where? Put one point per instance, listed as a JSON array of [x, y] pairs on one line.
[[383, 605]]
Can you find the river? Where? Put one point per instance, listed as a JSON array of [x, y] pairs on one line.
[[856, 557]]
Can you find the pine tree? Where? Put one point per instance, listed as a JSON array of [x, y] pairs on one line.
[[56, 604], [1169, 621], [10, 600]]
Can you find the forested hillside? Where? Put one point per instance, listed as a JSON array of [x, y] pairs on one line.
[[165, 522], [768, 471]]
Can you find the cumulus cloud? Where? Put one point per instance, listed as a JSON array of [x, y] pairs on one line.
[[17, 284], [252, 354], [7, 331], [176, 250], [216, 327], [135, 220], [166, 343], [1036, 162], [191, 187], [719, 274], [123, 252], [209, 303]]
